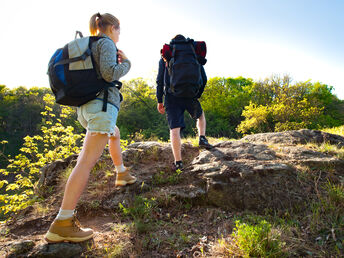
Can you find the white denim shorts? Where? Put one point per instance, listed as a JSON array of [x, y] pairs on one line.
[[94, 120]]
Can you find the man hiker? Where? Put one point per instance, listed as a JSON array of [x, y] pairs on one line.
[[181, 79]]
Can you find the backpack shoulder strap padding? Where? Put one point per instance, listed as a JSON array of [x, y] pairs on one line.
[[193, 50]]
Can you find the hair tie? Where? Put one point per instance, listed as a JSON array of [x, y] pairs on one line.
[[99, 16]]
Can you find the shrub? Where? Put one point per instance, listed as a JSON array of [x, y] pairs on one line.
[[258, 240], [56, 142]]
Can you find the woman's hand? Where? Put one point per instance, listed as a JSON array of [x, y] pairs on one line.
[[121, 56]]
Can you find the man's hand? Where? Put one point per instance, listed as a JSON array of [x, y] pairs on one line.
[[161, 108]]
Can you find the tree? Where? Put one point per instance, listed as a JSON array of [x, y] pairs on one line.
[[278, 105], [223, 101], [138, 114]]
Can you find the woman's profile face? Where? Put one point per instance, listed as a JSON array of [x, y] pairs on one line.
[[114, 33]]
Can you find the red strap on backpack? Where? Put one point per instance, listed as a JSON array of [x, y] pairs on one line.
[[201, 48], [166, 52]]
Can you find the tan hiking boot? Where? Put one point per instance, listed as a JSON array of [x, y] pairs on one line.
[[125, 178], [67, 230]]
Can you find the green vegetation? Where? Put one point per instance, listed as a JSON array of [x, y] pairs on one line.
[[284, 106], [233, 107], [162, 178], [257, 240], [140, 210], [56, 142], [335, 130], [21, 115], [327, 220]]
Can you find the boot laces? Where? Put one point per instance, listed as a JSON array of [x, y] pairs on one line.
[[76, 224]]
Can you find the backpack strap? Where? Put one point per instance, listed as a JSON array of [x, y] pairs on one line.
[[174, 50], [193, 50], [116, 84], [171, 61], [83, 57], [78, 33], [105, 99]]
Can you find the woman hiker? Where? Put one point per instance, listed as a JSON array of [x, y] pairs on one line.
[[111, 64]]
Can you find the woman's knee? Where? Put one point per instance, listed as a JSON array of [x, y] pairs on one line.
[[87, 159], [117, 134]]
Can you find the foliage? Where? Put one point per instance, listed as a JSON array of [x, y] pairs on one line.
[[335, 130], [278, 105], [331, 149], [56, 142], [140, 210], [162, 178], [257, 117], [327, 220], [254, 241], [20, 115], [223, 101], [233, 106], [139, 113]]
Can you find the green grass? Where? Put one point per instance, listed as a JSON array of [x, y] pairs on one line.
[[327, 148], [140, 210], [163, 178], [335, 130], [326, 220], [253, 240], [212, 140]]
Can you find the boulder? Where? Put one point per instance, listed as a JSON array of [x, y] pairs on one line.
[[21, 247], [294, 137], [50, 174], [65, 250]]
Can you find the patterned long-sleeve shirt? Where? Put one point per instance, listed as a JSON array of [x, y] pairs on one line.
[[104, 52]]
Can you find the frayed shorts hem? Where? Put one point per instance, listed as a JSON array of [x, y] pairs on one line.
[[94, 132]]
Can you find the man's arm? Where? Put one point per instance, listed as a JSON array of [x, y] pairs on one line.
[[160, 81], [160, 86]]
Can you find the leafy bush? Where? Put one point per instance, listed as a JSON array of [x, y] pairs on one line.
[[139, 112], [223, 101], [56, 142], [254, 241], [278, 105]]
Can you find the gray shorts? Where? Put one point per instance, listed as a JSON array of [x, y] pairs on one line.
[[94, 120]]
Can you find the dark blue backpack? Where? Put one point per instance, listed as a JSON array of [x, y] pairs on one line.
[[72, 74], [184, 69]]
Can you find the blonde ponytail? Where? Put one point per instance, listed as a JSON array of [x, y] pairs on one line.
[[99, 22]]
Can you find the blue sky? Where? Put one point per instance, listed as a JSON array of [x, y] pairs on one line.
[[249, 38]]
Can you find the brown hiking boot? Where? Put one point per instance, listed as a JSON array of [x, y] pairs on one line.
[[67, 230], [124, 178]]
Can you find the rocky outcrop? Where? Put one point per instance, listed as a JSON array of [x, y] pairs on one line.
[[256, 173], [238, 175], [50, 174], [303, 136]]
